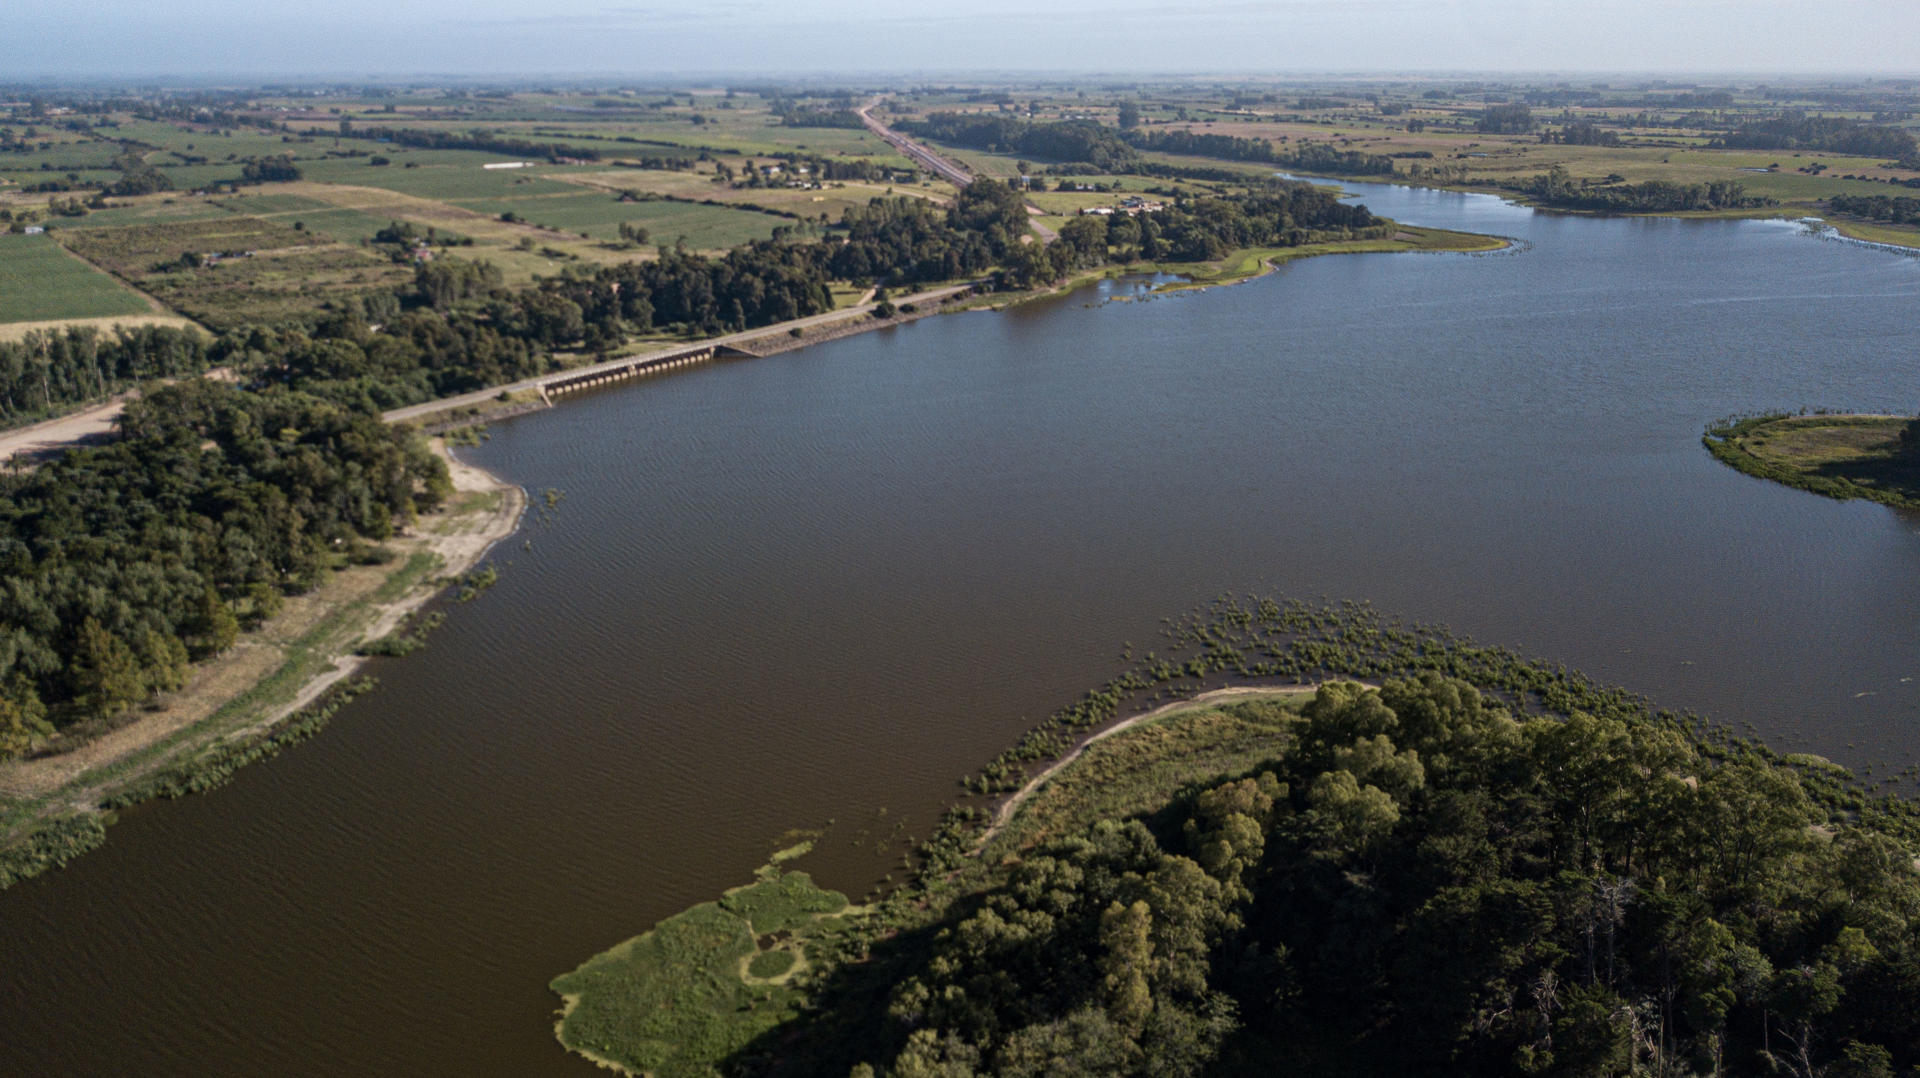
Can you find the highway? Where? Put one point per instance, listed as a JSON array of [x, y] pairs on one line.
[[938, 165], [915, 152]]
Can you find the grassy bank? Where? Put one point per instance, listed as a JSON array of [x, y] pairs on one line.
[[1256, 262], [277, 685], [705, 983], [1875, 232], [1839, 456]]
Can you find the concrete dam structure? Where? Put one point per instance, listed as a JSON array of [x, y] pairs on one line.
[[620, 370]]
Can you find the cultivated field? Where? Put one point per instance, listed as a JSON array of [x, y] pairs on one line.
[[39, 282]]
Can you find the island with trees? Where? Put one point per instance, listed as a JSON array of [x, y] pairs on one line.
[[1431, 857]]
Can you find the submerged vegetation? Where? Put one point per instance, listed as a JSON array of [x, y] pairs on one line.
[[1840, 456], [1485, 865]]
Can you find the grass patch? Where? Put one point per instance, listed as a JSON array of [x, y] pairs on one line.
[[706, 228], [1253, 262], [767, 965], [1840, 456], [41, 282], [1142, 769], [678, 999], [1878, 232]]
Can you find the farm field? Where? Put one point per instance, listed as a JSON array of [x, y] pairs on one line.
[[267, 270], [705, 228], [40, 282], [149, 212]]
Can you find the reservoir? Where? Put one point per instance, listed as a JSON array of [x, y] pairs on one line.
[[813, 591]]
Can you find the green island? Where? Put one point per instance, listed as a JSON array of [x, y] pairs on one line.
[[1422, 855], [1876, 457]]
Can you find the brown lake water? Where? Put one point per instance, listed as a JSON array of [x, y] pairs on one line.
[[821, 587]]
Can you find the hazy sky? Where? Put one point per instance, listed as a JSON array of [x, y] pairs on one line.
[[265, 37]]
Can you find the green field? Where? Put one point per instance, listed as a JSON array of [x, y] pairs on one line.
[[40, 282], [1840, 456], [440, 181], [600, 215], [172, 211], [704, 983]]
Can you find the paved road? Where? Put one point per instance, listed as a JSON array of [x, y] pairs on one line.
[[933, 162], [733, 340], [914, 151]]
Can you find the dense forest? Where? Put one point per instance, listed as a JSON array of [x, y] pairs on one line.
[[121, 563], [1419, 879], [1798, 131]]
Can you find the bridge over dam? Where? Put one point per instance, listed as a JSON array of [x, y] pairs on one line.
[[633, 367], [749, 344]]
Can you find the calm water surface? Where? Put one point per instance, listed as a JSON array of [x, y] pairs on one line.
[[823, 586]]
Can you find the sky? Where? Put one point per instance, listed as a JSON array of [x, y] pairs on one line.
[[216, 38]]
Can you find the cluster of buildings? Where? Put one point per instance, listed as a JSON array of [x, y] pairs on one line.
[[1131, 205]]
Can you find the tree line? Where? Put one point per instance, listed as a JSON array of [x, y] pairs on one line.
[[1559, 189], [48, 371], [1316, 157], [1900, 210], [1075, 143], [1795, 130], [486, 141]]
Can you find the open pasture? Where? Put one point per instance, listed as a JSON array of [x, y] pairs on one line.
[[600, 216], [459, 179], [147, 211], [40, 282]]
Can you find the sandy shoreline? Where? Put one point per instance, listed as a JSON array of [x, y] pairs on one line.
[[347, 611]]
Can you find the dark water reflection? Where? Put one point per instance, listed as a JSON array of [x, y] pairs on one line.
[[821, 587]]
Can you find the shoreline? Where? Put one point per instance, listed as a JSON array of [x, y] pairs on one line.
[[261, 685]]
